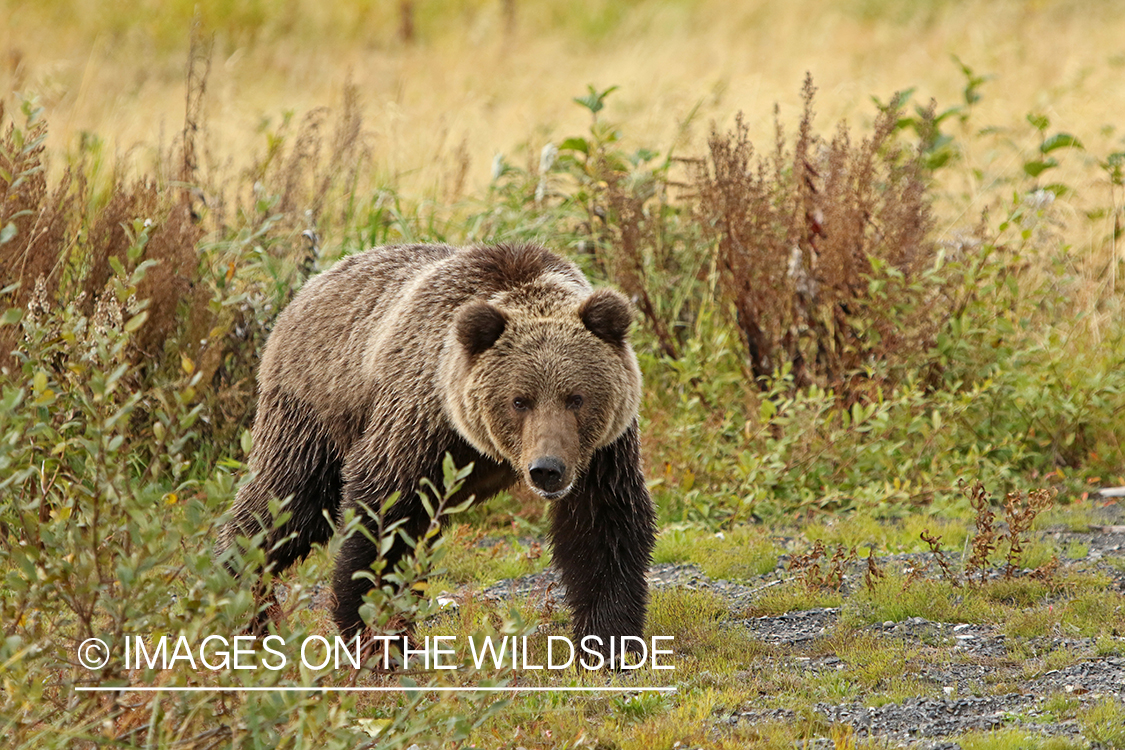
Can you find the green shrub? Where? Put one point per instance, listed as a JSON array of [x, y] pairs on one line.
[[107, 537]]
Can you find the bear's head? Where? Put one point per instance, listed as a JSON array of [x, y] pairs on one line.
[[542, 382]]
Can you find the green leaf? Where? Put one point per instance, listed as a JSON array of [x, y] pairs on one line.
[[937, 160], [385, 544], [139, 272], [10, 399], [1060, 140], [1113, 166], [948, 112], [1038, 167], [1039, 122], [594, 99], [246, 442], [448, 470], [767, 410], [134, 251], [111, 380], [461, 507], [7, 233], [136, 321], [423, 496], [386, 506], [575, 144], [11, 316]]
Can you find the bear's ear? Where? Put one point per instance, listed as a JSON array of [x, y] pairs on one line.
[[607, 315], [479, 325]]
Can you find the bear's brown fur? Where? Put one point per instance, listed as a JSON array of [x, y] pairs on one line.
[[502, 356]]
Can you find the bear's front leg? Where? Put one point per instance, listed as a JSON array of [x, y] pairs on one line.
[[603, 534]]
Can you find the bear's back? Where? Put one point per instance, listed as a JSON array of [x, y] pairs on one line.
[[371, 328]]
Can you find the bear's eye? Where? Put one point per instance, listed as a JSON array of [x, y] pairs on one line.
[[521, 404], [574, 402]]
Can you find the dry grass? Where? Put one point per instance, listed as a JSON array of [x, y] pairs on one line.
[[70, 238], [55, 250], [467, 78]]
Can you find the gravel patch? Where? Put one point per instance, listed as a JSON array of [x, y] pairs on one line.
[[976, 678]]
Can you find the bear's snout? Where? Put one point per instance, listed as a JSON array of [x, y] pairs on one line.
[[547, 473]]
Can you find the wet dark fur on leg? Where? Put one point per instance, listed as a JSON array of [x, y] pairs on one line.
[[603, 535]]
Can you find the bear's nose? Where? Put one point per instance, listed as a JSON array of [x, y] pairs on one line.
[[547, 473]]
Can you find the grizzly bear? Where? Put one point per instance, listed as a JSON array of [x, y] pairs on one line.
[[502, 356]]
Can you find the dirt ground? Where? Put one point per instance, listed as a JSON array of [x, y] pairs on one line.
[[982, 682]]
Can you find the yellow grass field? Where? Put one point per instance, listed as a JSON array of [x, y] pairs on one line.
[[473, 84]]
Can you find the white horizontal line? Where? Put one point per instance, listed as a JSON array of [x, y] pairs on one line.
[[392, 689]]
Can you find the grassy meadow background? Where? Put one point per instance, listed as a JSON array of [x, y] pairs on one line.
[[841, 330]]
